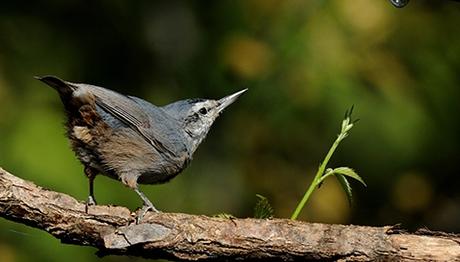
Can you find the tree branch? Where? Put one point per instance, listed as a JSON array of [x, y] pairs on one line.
[[112, 230]]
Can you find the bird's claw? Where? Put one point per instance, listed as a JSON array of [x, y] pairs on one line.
[[89, 202], [145, 208]]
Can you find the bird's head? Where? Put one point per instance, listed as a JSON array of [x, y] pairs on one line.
[[196, 116]]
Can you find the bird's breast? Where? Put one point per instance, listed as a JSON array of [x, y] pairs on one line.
[[125, 151]]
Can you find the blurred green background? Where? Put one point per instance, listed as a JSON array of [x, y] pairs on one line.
[[304, 63]]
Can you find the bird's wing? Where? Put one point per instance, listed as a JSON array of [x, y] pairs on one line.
[[156, 132]]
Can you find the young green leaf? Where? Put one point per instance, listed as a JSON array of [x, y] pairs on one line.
[[346, 171], [345, 185], [341, 173], [263, 209]]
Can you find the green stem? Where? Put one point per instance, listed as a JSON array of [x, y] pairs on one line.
[[317, 178]]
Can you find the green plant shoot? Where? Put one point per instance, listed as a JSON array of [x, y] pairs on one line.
[[341, 173], [263, 209]]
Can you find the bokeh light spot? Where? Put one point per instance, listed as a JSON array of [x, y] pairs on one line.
[[247, 57], [412, 192]]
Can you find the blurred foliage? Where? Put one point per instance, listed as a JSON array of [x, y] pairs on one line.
[[304, 63]]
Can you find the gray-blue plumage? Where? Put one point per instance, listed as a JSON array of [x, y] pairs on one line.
[[130, 139]]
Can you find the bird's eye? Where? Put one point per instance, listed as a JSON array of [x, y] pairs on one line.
[[203, 111]]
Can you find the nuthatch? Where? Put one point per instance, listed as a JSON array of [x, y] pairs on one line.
[[131, 140]]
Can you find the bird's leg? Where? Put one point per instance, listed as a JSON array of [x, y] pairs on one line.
[[91, 200], [146, 207], [91, 174], [130, 180]]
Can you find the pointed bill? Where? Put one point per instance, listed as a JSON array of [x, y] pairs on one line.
[[228, 100]]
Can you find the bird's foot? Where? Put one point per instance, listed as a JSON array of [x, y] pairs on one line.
[[90, 202], [145, 208]]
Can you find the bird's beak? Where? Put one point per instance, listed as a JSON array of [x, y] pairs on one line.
[[228, 100]]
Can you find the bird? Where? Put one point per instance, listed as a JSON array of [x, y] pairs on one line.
[[131, 140]]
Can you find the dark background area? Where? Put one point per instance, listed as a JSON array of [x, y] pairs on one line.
[[304, 62]]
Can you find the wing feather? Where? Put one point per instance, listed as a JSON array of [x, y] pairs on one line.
[[141, 119]]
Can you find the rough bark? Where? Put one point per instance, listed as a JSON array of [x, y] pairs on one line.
[[111, 229]]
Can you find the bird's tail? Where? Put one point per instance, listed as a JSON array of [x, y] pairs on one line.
[[62, 87]]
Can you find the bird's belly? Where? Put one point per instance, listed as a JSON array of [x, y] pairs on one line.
[[162, 171], [155, 178], [125, 152]]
